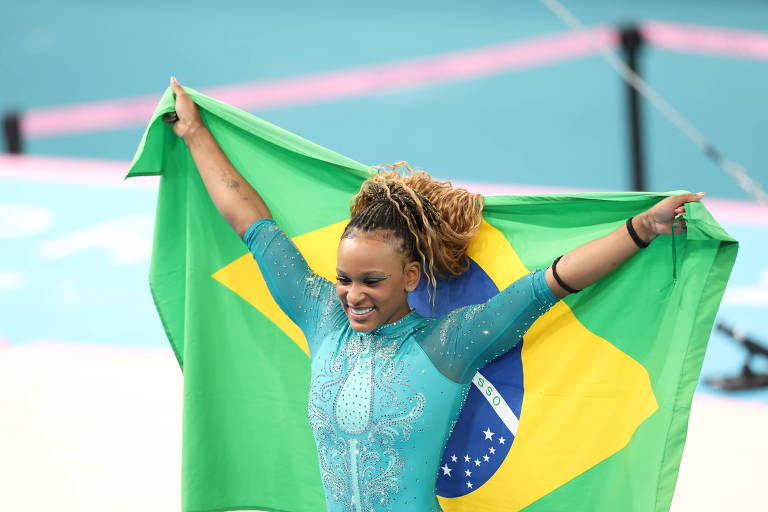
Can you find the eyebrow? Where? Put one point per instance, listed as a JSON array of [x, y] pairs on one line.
[[368, 273]]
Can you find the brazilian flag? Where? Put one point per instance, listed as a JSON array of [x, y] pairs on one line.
[[587, 414]]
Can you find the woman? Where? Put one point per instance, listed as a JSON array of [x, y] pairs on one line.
[[387, 384]]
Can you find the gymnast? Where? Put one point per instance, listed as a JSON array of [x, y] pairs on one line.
[[387, 384]]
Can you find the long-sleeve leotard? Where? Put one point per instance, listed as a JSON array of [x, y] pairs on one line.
[[458, 344], [382, 403]]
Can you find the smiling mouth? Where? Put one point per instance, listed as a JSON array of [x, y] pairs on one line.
[[361, 311]]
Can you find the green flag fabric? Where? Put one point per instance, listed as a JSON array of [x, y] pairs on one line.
[[593, 405]]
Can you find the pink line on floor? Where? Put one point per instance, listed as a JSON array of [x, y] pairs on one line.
[[461, 65], [110, 173], [726, 211], [716, 41]]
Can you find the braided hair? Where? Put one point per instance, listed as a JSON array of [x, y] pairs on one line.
[[431, 221]]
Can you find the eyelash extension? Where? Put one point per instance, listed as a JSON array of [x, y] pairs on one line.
[[367, 282]]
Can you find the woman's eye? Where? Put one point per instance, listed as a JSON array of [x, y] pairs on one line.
[[366, 282]]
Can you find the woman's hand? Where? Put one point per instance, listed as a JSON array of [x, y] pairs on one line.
[[658, 219], [189, 121], [233, 196]]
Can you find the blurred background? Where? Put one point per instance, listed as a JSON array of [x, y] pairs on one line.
[[499, 96]]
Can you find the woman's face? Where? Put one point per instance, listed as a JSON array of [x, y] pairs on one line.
[[373, 279]]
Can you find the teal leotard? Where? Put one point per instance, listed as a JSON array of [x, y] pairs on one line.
[[383, 403]]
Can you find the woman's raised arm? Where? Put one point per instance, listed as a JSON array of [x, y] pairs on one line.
[[236, 200], [594, 260]]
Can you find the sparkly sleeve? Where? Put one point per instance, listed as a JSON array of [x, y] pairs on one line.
[[307, 298], [468, 338]]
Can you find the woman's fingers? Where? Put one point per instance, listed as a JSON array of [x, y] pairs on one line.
[[186, 111], [681, 199], [680, 211], [680, 226], [178, 90], [678, 223], [176, 86], [181, 95], [669, 212], [690, 198]]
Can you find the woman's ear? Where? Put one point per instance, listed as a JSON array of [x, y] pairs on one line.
[[412, 275]]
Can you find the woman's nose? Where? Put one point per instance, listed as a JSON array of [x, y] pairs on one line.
[[355, 294]]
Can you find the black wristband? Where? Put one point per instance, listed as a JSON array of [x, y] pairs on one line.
[[560, 281], [170, 117], [635, 237]]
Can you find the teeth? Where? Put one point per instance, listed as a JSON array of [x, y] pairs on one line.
[[360, 311]]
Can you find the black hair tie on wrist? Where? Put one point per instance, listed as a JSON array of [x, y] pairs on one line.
[[170, 117], [560, 281], [635, 237]]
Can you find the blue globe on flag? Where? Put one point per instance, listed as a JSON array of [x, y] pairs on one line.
[[487, 424]]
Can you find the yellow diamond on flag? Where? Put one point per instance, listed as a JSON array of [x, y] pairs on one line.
[[583, 400], [243, 276]]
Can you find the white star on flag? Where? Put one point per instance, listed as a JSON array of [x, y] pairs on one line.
[[453, 458], [486, 458], [492, 450], [467, 472], [446, 470], [469, 484], [477, 462], [466, 458], [488, 433], [501, 440]]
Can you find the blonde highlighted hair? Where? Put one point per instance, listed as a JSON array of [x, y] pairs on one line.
[[433, 221]]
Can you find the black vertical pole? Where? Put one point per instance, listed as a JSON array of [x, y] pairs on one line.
[[631, 42], [12, 132]]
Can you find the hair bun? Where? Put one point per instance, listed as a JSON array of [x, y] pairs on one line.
[[441, 219]]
